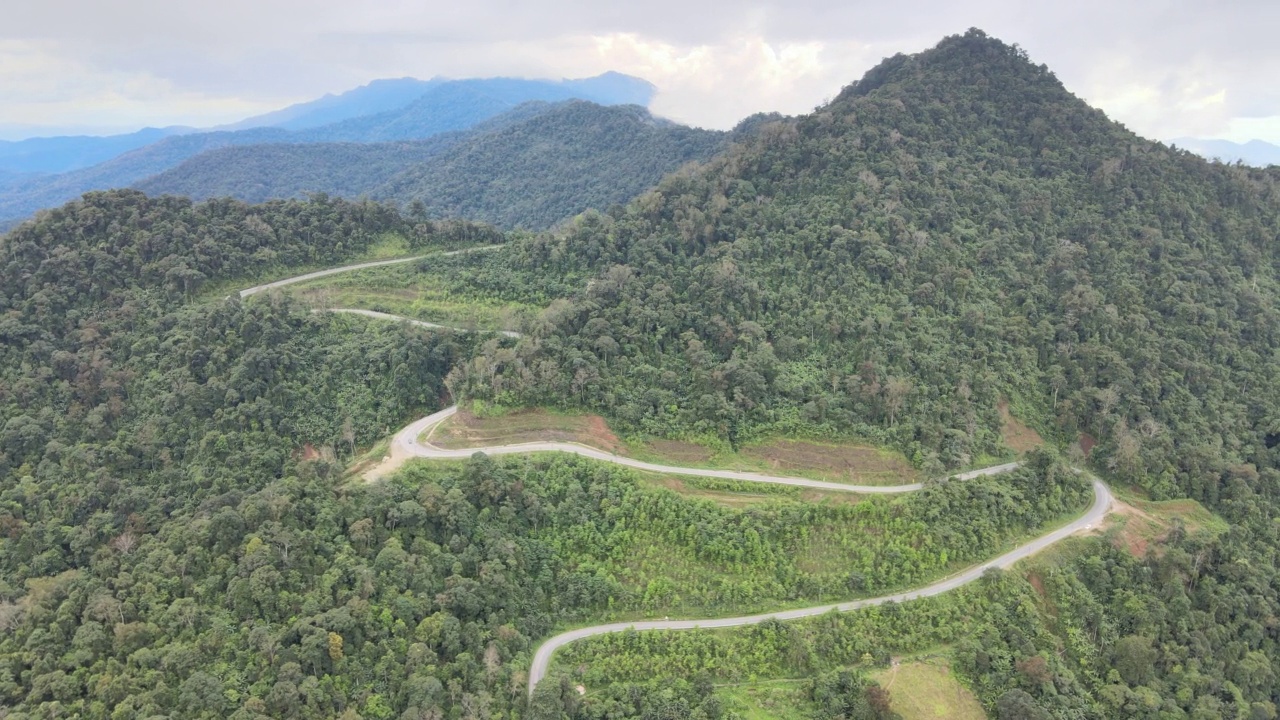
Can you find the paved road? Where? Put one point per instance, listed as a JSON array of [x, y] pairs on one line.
[[405, 444], [420, 323], [348, 268], [1101, 503]]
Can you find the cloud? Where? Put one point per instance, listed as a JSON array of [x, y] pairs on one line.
[[1164, 67]]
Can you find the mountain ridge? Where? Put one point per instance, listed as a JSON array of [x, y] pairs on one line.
[[447, 106]]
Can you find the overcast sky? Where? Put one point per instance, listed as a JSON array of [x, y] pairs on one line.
[[1166, 69]]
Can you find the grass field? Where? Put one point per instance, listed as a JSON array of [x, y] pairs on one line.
[[926, 690], [918, 690], [769, 700]]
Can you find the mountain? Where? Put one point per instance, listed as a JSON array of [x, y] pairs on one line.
[[386, 96], [956, 226], [954, 244], [1255, 152], [530, 167], [460, 104], [376, 97], [445, 106], [954, 234], [24, 198], [63, 154]]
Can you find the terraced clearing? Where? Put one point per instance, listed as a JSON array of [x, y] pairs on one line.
[[1139, 525]]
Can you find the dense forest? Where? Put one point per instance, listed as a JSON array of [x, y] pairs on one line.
[[179, 536], [531, 167], [953, 230]]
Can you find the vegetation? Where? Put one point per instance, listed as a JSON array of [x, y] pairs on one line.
[[897, 265], [530, 168], [954, 232], [438, 108]]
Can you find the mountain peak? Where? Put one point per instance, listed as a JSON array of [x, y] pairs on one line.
[[974, 58]]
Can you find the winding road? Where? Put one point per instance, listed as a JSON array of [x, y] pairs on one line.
[[358, 266], [407, 444]]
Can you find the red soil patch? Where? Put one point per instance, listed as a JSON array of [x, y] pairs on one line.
[[466, 430], [1019, 437], [1086, 443], [854, 462], [1137, 529], [1037, 583]]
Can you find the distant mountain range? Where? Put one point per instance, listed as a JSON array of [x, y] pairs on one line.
[[530, 167], [45, 172], [62, 154], [1254, 152]]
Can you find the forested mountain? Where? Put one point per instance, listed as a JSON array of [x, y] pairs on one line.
[[178, 539], [953, 229], [443, 106], [529, 168]]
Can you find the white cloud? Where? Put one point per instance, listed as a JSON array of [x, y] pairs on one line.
[[1164, 67], [718, 85], [46, 88]]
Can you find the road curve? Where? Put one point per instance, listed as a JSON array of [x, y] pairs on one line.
[[419, 323], [348, 268], [1101, 503], [406, 444]]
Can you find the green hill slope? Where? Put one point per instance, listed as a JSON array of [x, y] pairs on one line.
[[952, 230]]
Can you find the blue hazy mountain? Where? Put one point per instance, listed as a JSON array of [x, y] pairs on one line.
[[444, 106], [1255, 152], [377, 97], [72, 152], [389, 95], [531, 167]]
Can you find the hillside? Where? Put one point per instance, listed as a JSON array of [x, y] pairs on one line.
[[255, 173], [953, 244], [442, 107], [954, 229], [528, 168]]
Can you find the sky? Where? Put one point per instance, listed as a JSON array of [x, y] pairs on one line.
[[1165, 69]]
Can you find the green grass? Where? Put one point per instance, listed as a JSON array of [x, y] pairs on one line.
[[391, 246], [401, 290], [768, 700], [927, 690]]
